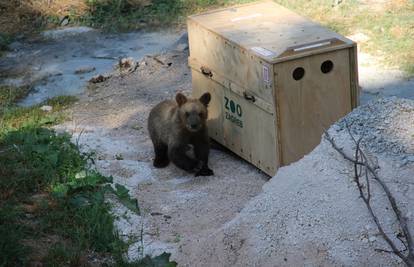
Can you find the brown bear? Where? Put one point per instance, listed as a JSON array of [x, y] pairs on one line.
[[174, 126]]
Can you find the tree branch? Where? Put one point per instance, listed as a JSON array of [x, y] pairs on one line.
[[362, 161]]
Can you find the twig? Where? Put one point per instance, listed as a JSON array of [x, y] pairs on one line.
[[157, 59], [401, 219], [362, 161]]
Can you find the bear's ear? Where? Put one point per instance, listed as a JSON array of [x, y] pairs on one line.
[[205, 99], [181, 99]]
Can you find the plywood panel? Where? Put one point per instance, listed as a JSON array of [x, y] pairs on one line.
[[215, 119], [268, 26], [312, 104], [241, 126], [233, 63], [353, 65]]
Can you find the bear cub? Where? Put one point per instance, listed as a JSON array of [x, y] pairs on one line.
[[174, 126]]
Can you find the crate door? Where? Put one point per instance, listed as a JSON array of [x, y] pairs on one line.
[[201, 84], [313, 92], [239, 124]]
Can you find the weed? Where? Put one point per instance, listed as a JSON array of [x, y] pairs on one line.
[[177, 238], [12, 232], [62, 253], [47, 188], [13, 117], [162, 260], [121, 15], [5, 40], [11, 94], [122, 193]]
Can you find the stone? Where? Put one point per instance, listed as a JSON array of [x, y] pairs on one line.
[[46, 108], [85, 69]]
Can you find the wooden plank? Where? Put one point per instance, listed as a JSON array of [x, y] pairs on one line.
[[353, 64], [235, 123], [265, 104], [311, 104], [215, 118]]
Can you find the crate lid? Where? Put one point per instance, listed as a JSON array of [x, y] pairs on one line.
[[271, 31]]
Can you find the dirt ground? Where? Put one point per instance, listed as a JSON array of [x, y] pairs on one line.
[[308, 213], [235, 217], [177, 208]]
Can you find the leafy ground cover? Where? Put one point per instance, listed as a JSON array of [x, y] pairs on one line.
[[53, 204]]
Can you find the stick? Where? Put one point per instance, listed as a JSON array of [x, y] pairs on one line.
[[362, 161]]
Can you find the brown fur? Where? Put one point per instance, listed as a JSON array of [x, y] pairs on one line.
[[173, 126]]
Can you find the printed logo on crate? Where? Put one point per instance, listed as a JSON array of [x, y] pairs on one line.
[[233, 112]]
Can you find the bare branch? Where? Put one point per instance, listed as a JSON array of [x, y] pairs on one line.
[[362, 161]]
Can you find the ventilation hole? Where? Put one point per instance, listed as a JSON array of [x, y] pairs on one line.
[[298, 73], [327, 66]]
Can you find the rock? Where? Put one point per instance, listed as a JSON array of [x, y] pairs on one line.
[[66, 32], [372, 239], [99, 78], [85, 69], [409, 158], [64, 21], [46, 108], [126, 63], [136, 127]]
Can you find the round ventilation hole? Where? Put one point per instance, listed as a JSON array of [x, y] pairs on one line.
[[327, 66], [298, 73]]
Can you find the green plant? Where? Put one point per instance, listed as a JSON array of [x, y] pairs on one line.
[[63, 253], [44, 175], [12, 232], [5, 40]]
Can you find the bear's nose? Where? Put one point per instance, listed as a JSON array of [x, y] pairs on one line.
[[193, 126]]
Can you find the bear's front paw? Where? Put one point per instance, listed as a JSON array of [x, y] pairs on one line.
[[204, 171], [161, 162]]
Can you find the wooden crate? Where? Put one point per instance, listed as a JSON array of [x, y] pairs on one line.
[[277, 80]]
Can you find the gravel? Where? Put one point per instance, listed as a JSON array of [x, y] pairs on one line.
[[311, 214]]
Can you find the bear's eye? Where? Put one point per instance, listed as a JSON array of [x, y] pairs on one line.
[[187, 114], [200, 114]]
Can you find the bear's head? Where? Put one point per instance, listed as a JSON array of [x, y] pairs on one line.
[[193, 112]]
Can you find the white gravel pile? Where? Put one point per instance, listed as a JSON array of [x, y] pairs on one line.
[[310, 213], [386, 125]]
